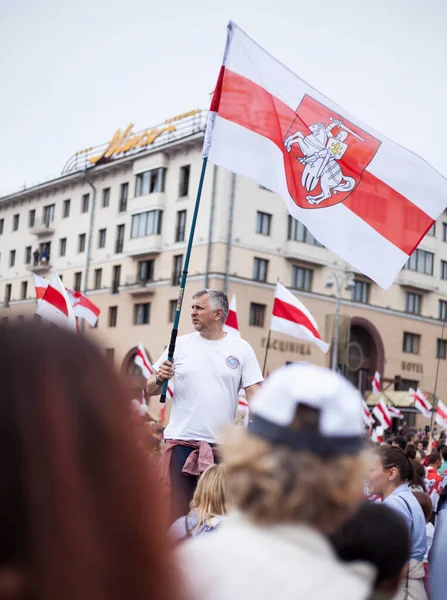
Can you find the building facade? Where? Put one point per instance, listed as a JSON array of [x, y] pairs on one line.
[[136, 196]]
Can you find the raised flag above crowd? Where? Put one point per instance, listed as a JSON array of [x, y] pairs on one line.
[[142, 360], [55, 305], [382, 414], [231, 324], [420, 402], [395, 412], [441, 414], [267, 124], [366, 414]]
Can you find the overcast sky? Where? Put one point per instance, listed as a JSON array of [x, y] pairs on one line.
[[73, 72]]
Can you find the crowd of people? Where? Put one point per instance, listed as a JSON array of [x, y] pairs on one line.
[[299, 504]]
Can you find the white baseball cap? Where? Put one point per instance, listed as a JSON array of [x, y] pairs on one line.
[[335, 402]]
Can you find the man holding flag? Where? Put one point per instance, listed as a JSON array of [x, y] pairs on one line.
[[210, 367]]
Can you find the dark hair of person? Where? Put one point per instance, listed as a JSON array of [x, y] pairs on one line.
[[440, 446], [444, 453], [375, 534], [79, 510], [418, 475], [394, 457], [410, 437], [426, 504], [411, 451], [425, 443], [434, 457], [400, 441]]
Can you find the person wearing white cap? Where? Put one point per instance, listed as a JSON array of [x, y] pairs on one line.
[[294, 476]]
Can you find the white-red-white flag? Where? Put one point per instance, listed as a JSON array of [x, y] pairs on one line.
[[231, 324], [291, 317], [242, 407], [441, 414], [84, 308], [395, 412], [366, 414], [265, 123], [55, 305], [142, 360], [376, 388], [377, 435], [420, 402], [40, 285], [382, 414]]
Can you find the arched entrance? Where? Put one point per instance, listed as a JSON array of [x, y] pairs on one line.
[[365, 353]]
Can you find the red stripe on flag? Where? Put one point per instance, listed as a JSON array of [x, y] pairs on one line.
[[441, 413], [249, 105], [232, 320], [145, 363], [286, 311], [56, 299], [387, 420]]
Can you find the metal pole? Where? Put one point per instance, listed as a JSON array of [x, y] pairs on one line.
[[210, 228], [435, 401], [230, 231], [266, 352], [89, 238], [174, 331], [337, 324]]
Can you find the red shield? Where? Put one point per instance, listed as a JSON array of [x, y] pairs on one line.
[[324, 155]]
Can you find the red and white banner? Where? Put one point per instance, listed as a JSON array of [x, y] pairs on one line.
[[231, 324], [142, 360], [267, 124], [420, 402], [376, 389], [41, 285], [366, 414], [381, 412], [84, 308], [395, 412], [377, 435], [55, 305], [291, 317], [441, 414]]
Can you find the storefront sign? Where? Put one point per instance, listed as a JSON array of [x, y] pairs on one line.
[[412, 367], [282, 346]]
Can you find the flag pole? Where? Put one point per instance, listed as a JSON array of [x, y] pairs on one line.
[[266, 352], [174, 331], [435, 402]]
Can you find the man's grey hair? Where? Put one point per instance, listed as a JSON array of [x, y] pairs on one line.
[[218, 300]]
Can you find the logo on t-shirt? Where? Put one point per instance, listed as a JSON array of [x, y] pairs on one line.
[[232, 362]]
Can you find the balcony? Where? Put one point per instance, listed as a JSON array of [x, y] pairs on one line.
[[417, 281], [44, 227], [306, 253], [144, 246], [42, 266], [137, 286]]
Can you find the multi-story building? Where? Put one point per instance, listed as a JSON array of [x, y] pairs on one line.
[[136, 195]]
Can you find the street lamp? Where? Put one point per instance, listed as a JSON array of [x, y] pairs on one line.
[[341, 281]]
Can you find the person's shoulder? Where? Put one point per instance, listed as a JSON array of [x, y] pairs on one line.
[[187, 338], [239, 343]]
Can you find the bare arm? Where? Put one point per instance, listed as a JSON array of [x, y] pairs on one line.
[[251, 391], [166, 372]]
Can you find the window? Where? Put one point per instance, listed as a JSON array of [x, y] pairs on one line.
[[257, 314], [48, 214], [150, 182], [23, 290], [443, 269], [172, 310], [15, 222], [147, 223], [102, 238], [31, 218], [411, 343], [2, 223], [441, 349], [142, 313], [8, 291], [432, 231], [177, 270], [263, 222], [124, 193], [66, 209], [116, 279], [406, 385], [85, 202], [27, 255], [81, 242], [298, 232], [110, 356], [260, 267], [77, 281], [12, 258], [301, 278], [44, 252], [360, 293], [105, 197], [184, 181], [413, 303], [97, 279], [181, 226], [119, 244], [442, 310], [62, 246], [421, 261], [113, 316], [146, 270]]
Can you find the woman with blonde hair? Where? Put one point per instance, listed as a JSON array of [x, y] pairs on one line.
[[209, 505]]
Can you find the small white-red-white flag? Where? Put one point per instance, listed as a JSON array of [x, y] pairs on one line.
[[41, 285], [231, 324], [377, 435], [366, 414], [55, 305], [420, 402], [441, 414], [291, 317], [395, 412], [381, 412], [142, 360], [267, 124], [242, 407], [376, 389], [84, 308]]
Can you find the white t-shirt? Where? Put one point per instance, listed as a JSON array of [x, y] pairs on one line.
[[208, 375]]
